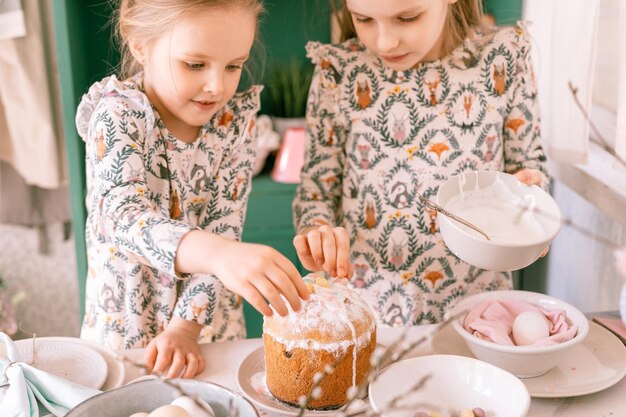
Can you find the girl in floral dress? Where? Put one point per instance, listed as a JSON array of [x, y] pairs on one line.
[[169, 158], [418, 92]]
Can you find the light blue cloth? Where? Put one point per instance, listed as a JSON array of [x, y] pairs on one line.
[[29, 385]]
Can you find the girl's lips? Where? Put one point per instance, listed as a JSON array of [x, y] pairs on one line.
[[204, 105], [394, 58]]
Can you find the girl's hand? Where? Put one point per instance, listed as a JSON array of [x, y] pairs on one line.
[[255, 272], [177, 349], [325, 248], [529, 176], [259, 273]]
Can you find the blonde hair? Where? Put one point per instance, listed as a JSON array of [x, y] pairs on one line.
[[463, 16], [147, 20]]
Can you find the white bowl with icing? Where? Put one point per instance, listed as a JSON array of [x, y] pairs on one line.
[[521, 220]]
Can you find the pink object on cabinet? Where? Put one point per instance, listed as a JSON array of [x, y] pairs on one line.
[[290, 157]]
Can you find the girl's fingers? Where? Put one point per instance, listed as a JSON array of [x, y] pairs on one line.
[[201, 364], [265, 286], [177, 366], [163, 360], [192, 365], [285, 285], [343, 252], [529, 176], [149, 356], [315, 244], [256, 300], [304, 254], [330, 250]]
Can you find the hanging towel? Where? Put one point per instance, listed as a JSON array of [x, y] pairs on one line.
[[565, 33], [29, 138], [11, 19]]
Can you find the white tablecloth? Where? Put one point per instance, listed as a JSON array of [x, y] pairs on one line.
[[222, 360]]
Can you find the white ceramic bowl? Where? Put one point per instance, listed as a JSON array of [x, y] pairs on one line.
[[456, 383], [147, 395], [496, 256], [522, 361]]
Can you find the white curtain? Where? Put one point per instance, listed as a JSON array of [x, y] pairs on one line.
[[582, 42], [564, 32], [620, 137]]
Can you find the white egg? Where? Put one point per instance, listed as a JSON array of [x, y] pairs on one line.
[[139, 415], [193, 409], [529, 327], [169, 411]]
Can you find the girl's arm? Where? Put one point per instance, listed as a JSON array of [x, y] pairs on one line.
[[317, 202], [256, 272], [523, 151]]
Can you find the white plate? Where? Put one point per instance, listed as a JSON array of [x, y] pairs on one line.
[[69, 360], [251, 382], [115, 365], [597, 363]]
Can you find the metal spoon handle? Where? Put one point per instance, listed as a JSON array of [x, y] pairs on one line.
[[434, 206]]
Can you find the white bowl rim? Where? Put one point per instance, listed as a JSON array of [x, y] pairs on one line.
[[152, 380], [445, 357], [583, 329], [481, 239]]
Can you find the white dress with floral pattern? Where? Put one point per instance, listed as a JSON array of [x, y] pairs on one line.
[[376, 136], [145, 190]]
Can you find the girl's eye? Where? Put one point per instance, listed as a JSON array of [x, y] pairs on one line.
[[409, 19], [233, 67], [363, 19], [194, 65]]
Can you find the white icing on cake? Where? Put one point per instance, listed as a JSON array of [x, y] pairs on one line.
[[333, 312]]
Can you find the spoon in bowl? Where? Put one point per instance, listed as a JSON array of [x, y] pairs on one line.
[[434, 206]]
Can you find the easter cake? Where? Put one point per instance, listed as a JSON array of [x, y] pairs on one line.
[[333, 329]]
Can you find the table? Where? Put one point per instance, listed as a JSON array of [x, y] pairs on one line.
[[222, 360]]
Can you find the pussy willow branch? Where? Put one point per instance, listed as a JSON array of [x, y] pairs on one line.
[[598, 137], [232, 410]]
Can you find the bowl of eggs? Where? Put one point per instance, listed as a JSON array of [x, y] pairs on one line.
[[447, 385], [520, 220], [523, 332], [155, 398]]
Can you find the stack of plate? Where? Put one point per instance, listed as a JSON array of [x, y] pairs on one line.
[[76, 360]]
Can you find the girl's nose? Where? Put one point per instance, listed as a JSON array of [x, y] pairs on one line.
[[214, 84], [387, 40]]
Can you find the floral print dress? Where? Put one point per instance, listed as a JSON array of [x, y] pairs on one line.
[[376, 137], [145, 190]]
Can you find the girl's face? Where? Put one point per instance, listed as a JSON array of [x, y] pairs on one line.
[[401, 32], [191, 71]]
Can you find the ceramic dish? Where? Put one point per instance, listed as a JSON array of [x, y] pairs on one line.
[[495, 255], [115, 366], [594, 365], [522, 361], [75, 362], [251, 382], [454, 384], [146, 396]]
